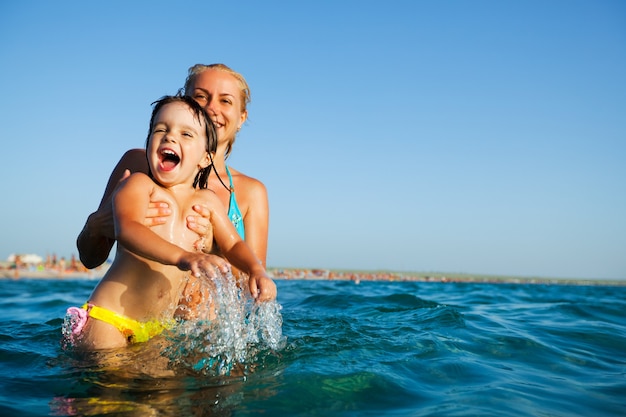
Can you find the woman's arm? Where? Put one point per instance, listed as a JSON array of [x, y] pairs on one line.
[[95, 241], [256, 218]]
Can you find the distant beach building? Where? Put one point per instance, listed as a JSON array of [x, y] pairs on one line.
[[26, 259]]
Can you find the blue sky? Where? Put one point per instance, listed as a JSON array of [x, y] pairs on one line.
[[483, 137]]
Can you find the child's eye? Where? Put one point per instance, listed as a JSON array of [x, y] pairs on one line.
[[188, 134], [159, 129]]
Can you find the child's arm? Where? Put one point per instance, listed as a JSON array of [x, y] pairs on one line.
[[238, 253], [261, 286], [129, 203]]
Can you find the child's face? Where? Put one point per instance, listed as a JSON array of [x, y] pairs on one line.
[[177, 145]]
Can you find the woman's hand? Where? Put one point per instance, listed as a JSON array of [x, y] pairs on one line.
[[200, 224], [157, 213]]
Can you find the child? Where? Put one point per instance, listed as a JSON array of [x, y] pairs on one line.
[[138, 295]]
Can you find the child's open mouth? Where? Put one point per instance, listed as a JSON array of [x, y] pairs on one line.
[[169, 159]]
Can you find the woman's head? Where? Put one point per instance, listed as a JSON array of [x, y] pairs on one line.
[[224, 94], [180, 127]]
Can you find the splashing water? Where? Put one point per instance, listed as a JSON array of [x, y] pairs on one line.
[[228, 332]]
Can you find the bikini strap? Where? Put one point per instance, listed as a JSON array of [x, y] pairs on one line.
[[212, 168], [230, 179]]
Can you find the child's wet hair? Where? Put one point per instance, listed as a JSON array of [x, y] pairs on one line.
[[201, 115]]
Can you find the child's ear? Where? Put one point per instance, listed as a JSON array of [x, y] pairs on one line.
[[206, 161]]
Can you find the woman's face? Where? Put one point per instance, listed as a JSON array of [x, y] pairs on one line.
[[220, 95]]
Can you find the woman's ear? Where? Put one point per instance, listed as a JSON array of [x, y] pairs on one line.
[[242, 120]]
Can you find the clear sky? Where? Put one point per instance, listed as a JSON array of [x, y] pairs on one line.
[[483, 137]]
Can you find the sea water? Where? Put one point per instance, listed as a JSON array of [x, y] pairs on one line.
[[377, 348]]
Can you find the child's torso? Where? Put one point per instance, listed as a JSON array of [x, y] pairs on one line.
[[144, 289]]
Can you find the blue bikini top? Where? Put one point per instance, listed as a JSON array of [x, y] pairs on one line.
[[234, 214]]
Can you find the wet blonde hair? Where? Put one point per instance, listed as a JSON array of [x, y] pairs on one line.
[[244, 89]]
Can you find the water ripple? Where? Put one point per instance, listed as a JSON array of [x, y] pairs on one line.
[[419, 349]]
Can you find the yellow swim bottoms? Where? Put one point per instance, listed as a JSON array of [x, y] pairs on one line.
[[135, 331]]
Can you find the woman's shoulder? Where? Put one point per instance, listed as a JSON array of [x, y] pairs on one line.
[[245, 182], [251, 193], [134, 160], [141, 152]]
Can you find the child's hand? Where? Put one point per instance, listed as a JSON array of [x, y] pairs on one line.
[[198, 262], [262, 287]]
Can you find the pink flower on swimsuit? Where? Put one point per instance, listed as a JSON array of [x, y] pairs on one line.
[[78, 319]]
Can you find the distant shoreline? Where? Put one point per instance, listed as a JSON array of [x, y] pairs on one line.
[[359, 276], [341, 275], [51, 274]]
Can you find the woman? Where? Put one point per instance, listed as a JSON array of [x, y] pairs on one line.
[[224, 94]]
